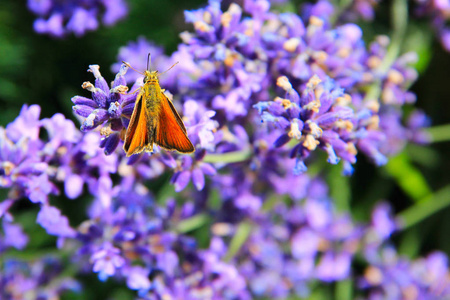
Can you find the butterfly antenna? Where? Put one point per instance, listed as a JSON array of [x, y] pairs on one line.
[[148, 61], [129, 66], [170, 68]]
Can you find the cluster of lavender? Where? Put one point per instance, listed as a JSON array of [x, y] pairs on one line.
[[260, 92], [231, 64], [296, 239], [58, 18]]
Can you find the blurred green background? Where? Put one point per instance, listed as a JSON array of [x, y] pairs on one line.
[[37, 69]]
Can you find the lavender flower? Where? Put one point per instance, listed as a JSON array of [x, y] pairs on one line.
[[111, 107], [58, 19], [391, 276], [106, 260], [222, 59], [20, 159], [39, 279], [254, 224], [136, 54], [31, 167], [320, 118], [13, 236]]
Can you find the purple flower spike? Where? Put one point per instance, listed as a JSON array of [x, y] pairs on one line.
[[382, 222], [320, 118], [82, 21], [56, 224], [136, 53], [181, 180], [109, 107], [60, 18], [14, 236], [39, 188], [137, 278], [192, 168], [73, 186], [26, 124], [106, 260]]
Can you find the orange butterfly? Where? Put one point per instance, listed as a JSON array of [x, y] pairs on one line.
[[155, 120]]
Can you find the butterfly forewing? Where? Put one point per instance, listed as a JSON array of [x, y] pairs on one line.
[[170, 130], [137, 136]]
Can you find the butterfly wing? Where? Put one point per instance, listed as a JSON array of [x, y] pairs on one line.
[[170, 130], [137, 135]]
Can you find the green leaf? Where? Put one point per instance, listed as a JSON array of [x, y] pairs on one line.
[[228, 157], [193, 223], [339, 188], [439, 133], [423, 155], [424, 208], [408, 177], [410, 243], [344, 290], [242, 233], [419, 40]]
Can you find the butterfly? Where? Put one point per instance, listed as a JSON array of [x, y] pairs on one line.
[[155, 120]]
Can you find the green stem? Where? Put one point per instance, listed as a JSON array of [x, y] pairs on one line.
[[241, 236], [424, 208], [192, 223], [342, 6], [399, 19], [408, 177], [439, 133], [228, 157], [344, 289]]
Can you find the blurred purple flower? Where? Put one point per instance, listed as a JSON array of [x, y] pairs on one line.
[[51, 219], [106, 260], [40, 278], [137, 278], [13, 236], [394, 277], [136, 54], [382, 221], [194, 169], [57, 18]]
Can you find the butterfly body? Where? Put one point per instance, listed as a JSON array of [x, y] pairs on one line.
[[155, 121]]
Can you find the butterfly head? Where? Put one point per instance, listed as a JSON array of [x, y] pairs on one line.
[[150, 76]]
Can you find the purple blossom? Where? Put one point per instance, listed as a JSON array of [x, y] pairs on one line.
[[136, 54], [106, 260], [108, 107], [320, 118], [51, 219], [25, 125], [393, 277], [200, 125], [59, 19], [137, 278], [41, 278], [250, 226], [191, 168], [382, 221], [216, 58], [13, 236]]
